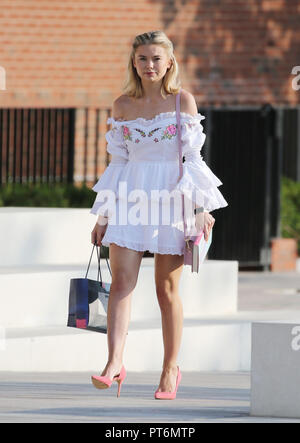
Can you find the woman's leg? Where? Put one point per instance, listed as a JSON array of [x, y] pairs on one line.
[[168, 270], [125, 265]]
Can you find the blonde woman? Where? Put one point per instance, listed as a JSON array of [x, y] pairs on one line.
[[144, 147]]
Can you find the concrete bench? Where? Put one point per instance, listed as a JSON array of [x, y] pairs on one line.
[[275, 370]]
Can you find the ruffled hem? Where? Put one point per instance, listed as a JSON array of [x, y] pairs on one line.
[[141, 247], [108, 181], [158, 117], [110, 178], [97, 209], [201, 186], [210, 199]]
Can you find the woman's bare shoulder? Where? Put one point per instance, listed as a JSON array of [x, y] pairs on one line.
[[188, 102], [119, 106]]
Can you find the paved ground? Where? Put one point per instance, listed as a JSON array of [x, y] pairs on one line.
[[202, 397], [268, 291]]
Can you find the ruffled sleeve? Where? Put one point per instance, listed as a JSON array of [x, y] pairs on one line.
[[107, 185], [198, 183]]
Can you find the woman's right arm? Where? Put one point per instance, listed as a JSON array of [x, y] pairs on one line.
[[118, 160], [99, 230]]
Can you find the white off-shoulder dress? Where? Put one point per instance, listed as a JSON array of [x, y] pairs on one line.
[[145, 157]]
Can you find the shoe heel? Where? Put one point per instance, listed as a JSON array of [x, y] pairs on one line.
[[119, 379], [119, 387]]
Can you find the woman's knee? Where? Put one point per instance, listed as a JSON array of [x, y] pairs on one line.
[[123, 281], [125, 265], [167, 278], [166, 291]]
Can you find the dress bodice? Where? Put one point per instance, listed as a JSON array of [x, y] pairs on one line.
[[145, 157], [155, 139]]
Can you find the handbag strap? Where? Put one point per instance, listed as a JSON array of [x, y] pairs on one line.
[[179, 133], [99, 267], [180, 152]]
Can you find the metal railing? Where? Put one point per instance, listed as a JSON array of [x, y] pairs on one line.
[[36, 145]]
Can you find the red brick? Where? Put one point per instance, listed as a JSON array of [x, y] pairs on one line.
[[283, 254]]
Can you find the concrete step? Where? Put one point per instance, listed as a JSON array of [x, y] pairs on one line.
[[215, 343], [37, 236], [38, 295]]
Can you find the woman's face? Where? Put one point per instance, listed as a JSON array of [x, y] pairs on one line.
[[151, 58]]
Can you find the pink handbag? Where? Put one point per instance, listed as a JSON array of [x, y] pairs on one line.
[[196, 247]]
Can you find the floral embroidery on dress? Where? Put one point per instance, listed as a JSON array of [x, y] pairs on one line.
[[126, 133], [143, 134], [170, 132], [152, 132]]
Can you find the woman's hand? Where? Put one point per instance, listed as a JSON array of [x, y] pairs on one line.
[[204, 221], [99, 230]]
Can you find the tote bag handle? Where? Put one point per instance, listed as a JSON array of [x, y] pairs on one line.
[[99, 267]]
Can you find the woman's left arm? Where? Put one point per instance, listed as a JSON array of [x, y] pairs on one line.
[[198, 183]]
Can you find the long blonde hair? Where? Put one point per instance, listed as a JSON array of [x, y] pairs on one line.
[[171, 82]]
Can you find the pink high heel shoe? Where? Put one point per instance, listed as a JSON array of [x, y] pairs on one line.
[[169, 395], [103, 382]]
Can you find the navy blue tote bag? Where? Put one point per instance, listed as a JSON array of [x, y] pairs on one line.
[[88, 300]]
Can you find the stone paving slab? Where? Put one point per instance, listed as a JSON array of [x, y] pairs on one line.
[[70, 397], [268, 291], [220, 397]]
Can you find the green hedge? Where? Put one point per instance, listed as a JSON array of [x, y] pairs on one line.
[[70, 196], [44, 195], [290, 209]]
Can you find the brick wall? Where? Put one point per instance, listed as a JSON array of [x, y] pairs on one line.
[[74, 53]]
